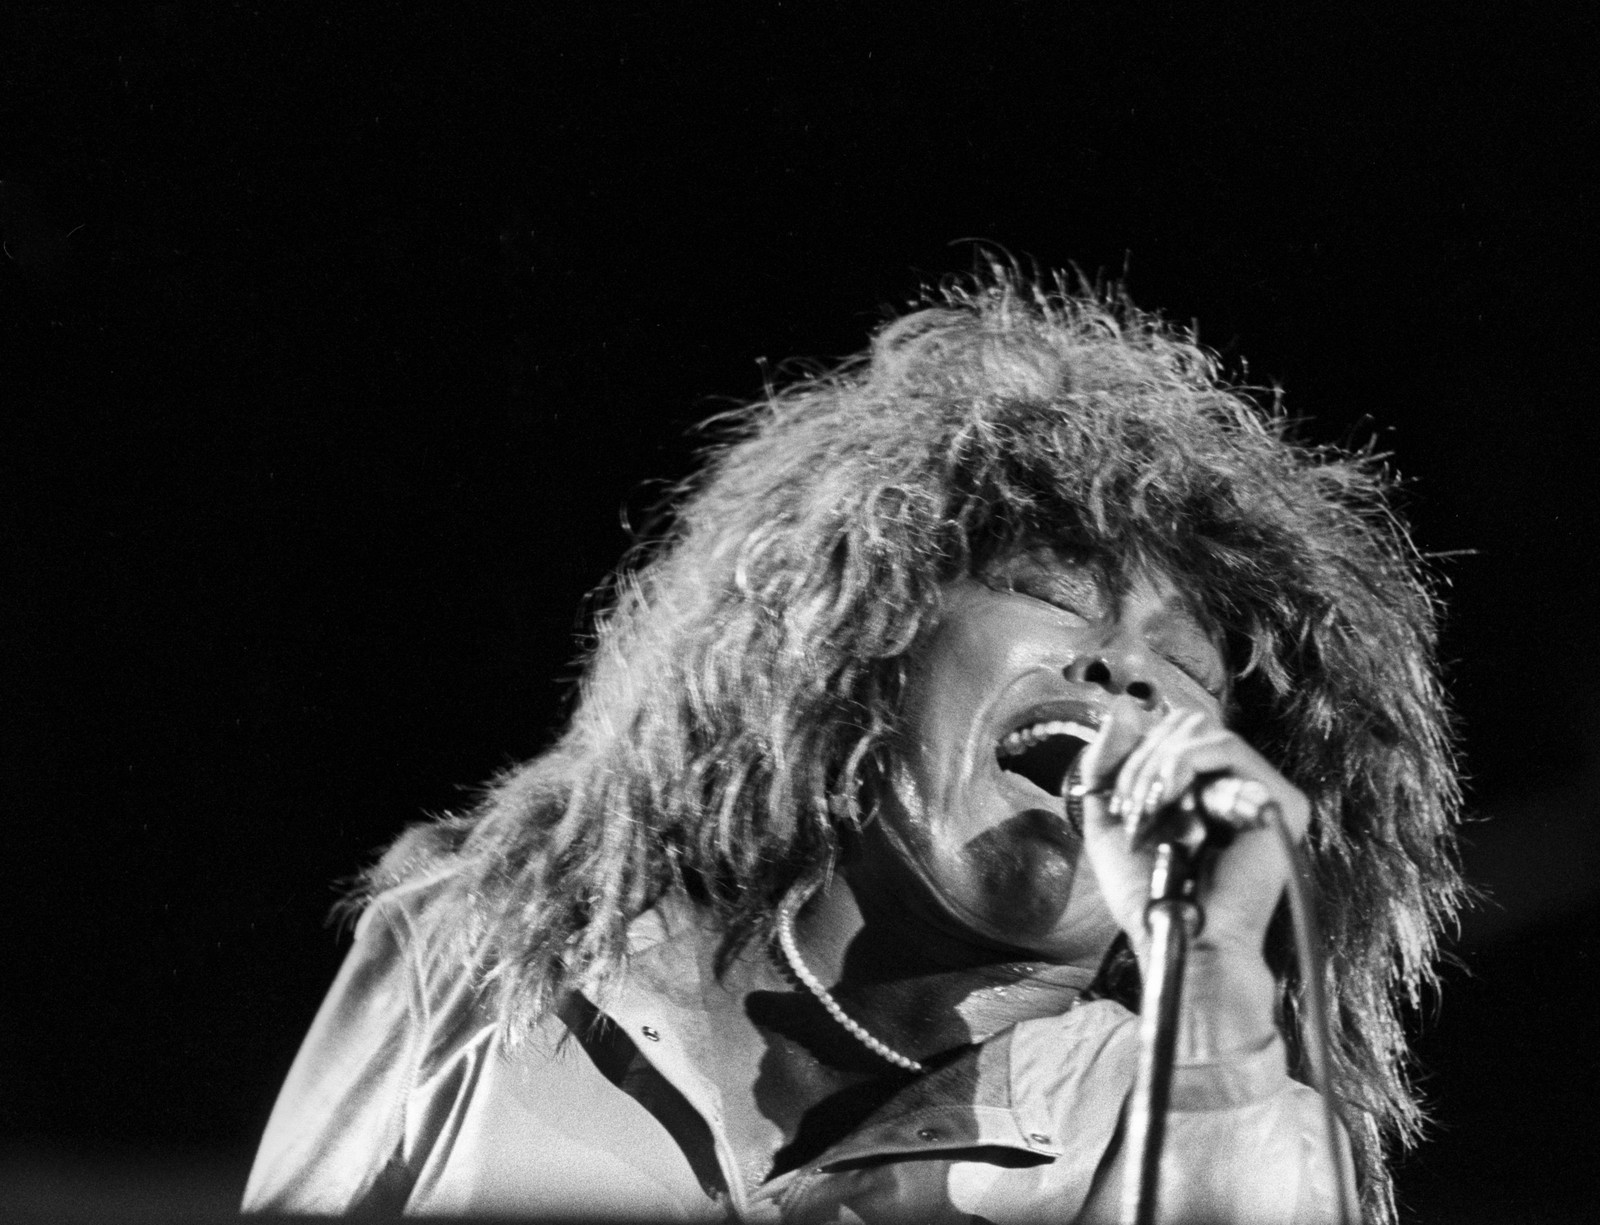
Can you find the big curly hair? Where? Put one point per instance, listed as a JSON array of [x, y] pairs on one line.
[[743, 681]]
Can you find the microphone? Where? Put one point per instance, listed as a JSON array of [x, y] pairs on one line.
[[1207, 813]]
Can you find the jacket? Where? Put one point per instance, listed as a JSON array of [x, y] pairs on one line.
[[406, 1098]]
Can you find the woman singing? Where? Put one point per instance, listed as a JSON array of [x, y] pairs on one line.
[[800, 920]]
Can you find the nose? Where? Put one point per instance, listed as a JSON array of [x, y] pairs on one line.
[[1118, 674]]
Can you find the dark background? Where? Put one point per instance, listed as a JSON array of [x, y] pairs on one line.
[[338, 341]]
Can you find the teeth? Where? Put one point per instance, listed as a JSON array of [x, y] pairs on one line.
[[1024, 738]]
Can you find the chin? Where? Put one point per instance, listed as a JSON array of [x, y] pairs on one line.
[[1024, 876]]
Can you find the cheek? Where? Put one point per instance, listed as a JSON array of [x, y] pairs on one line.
[[958, 668]]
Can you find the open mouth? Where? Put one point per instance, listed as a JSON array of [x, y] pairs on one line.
[[1043, 752]]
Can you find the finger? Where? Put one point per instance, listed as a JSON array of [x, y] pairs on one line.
[[1175, 765], [1124, 727], [1176, 758], [1147, 779], [1163, 776], [1216, 751], [1151, 776], [1133, 778], [1179, 757]]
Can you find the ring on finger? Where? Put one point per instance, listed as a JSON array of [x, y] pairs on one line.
[[1236, 801], [1153, 795]]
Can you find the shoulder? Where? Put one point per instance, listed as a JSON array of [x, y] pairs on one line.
[[418, 936], [336, 1132]]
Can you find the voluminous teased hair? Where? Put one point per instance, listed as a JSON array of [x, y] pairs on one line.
[[745, 678]]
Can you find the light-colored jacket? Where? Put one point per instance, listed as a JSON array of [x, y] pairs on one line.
[[404, 1098]]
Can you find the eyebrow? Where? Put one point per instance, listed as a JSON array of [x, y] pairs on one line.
[[1043, 559]]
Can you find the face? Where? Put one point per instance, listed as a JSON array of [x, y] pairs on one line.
[[1020, 670]]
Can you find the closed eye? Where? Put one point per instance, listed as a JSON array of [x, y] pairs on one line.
[[1052, 601], [1200, 674]]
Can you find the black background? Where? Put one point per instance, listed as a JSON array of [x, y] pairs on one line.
[[339, 342]]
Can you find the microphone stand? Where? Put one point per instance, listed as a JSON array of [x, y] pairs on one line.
[[1173, 918]]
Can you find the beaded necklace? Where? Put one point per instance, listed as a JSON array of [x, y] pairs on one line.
[[792, 902]]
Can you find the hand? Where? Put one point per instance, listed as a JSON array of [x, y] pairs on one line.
[[1144, 759]]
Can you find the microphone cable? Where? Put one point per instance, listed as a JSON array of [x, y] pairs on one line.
[[1314, 1025]]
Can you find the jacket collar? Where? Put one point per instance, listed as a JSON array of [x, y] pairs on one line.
[[990, 1095]]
